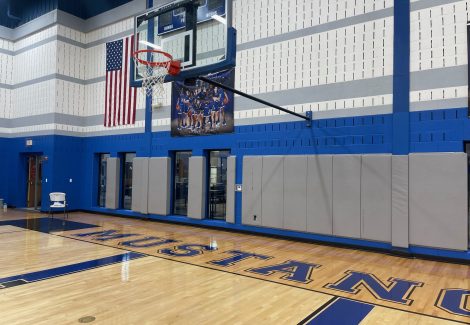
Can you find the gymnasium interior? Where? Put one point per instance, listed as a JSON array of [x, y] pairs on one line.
[[234, 162]]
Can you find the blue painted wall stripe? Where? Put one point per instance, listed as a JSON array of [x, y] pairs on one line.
[[401, 78], [64, 270], [342, 311]]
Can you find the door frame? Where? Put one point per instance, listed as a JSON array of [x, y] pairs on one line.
[[38, 179]]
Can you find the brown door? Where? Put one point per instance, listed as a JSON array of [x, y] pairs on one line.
[[34, 182]]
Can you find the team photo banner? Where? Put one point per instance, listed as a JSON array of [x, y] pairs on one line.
[[203, 109]]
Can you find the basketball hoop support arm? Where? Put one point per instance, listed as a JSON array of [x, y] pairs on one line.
[[307, 117]]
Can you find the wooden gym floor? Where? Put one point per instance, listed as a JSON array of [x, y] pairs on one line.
[[110, 270]]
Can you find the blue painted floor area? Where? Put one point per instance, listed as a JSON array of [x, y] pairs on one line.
[[342, 311], [21, 279], [47, 225]]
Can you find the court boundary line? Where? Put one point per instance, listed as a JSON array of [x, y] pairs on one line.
[[266, 280], [73, 272], [318, 311]]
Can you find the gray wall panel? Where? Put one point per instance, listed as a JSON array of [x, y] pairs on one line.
[[145, 186], [231, 179], [347, 195], [136, 184], [251, 196], [112, 183], [438, 200], [272, 191], [159, 186], [400, 220], [376, 197], [295, 193], [197, 188], [320, 194], [140, 169]]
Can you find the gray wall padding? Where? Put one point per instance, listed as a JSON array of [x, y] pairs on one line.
[[273, 191], [251, 195], [112, 183], [320, 194], [140, 169], [231, 179], [197, 188], [376, 197], [347, 195], [420, 199], [295, 193], [136, 184], [159, 186], [438, 200], [400, 219]]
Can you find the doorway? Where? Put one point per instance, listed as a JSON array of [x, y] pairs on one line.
[[127, 166], [34, 186], [103, 159], [217, 184], [181, 181], [467, 151]]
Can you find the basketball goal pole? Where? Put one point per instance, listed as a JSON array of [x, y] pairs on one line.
[[307, 117]]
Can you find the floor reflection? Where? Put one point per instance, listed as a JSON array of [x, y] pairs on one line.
[[47, 225]]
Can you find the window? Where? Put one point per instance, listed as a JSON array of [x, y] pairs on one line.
[[127, 180], [103, 158], [467, 150], [180, 179], [217, 184]]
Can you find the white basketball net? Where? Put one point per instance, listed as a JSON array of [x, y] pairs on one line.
[[153, 78]]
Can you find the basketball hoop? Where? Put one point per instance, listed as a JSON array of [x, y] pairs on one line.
[[153, 69]]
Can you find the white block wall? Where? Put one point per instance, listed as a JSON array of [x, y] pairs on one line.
[[439, 41], [346, 54], [76, 61], [256, 19], [6, 76]]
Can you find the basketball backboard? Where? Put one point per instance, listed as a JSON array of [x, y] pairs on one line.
[[196, 33]]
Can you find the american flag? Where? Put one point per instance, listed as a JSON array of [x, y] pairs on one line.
[[120, 99]]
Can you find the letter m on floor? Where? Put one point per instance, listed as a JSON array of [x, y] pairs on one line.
[[397, 290], [105, 235]]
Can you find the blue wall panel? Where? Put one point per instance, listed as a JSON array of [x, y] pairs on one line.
[[439, 130], [64, 163], [76, 158], [366, 134]]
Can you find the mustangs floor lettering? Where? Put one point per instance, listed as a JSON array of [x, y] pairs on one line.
[[399, 291]]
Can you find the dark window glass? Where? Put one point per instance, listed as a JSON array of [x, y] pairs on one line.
[[180, 193], [213, 4], [217, 184], [103, 158], [165, 19], [127, 180], [467, 150]]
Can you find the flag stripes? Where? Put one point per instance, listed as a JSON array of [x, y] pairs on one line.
[[120, 98]]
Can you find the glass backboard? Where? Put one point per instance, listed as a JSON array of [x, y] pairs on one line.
[[196, 33]]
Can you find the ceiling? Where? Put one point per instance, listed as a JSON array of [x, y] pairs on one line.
[[14, 13]]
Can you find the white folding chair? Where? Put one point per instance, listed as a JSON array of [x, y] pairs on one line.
[[57, 201]]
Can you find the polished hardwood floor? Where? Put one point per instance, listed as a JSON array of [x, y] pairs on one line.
[[130, 271]]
